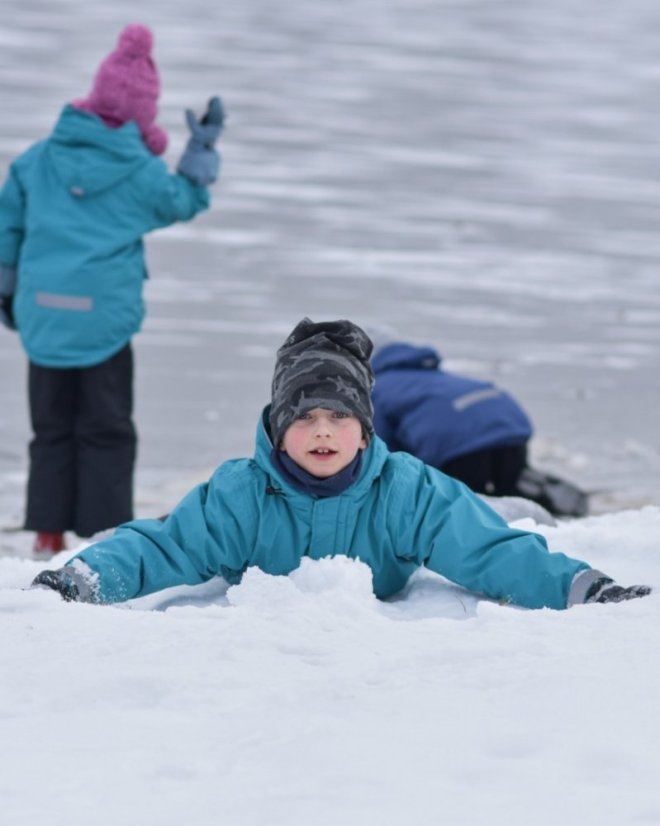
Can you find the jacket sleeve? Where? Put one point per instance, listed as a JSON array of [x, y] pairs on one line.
[[203, 537], [12, 218], [171, 198], [453, 532]]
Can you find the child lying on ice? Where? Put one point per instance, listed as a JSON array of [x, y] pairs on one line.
[[321, 484]]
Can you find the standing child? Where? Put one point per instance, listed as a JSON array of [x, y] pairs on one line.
[[73, 213], [321, 484]]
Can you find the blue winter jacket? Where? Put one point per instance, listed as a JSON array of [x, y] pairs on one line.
[[73, 211], [400, 514], [438, 416]]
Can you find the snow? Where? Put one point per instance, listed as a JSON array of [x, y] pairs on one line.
[[303, 699], [481, 176]]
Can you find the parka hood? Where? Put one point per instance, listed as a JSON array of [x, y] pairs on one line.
[[110, 155], [400, 356]]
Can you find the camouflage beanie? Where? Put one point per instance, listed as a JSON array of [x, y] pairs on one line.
[[322, 365]]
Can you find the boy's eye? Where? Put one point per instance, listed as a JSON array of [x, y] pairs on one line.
[[338, 414], [302, 416]]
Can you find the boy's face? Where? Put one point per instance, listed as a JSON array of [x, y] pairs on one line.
[[323, 442]]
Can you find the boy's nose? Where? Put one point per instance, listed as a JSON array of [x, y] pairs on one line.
[[322, 428]]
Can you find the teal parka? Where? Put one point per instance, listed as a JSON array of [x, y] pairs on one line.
[[398, 515], [73, 211]]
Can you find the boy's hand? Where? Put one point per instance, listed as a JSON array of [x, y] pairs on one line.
[[58, 581], [606, 590]]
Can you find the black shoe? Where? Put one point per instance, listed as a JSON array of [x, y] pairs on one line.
[[556, 495]]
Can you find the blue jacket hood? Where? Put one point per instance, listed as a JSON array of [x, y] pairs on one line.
[[110, 155], [400, 356]]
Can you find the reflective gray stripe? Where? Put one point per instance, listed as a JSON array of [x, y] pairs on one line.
[[81, 303], [475, 397]]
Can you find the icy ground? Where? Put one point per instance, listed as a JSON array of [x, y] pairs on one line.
[[482, 176]]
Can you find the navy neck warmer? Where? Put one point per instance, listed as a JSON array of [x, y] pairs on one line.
[[330, 486]]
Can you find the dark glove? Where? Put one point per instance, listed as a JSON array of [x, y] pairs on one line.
[[6, 311], [7, 290], [59, 581], [200, 162], [606, 590]]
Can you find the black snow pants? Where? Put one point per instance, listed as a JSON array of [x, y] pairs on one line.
[[83, 452], [503, 471], [494, 471]]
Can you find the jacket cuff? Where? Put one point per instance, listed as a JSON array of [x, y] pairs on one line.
[[85, 580], [581, 583]]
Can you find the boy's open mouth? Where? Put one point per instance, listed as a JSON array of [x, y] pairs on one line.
[[322, 451]]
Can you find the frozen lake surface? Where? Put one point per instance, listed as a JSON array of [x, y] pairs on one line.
[[480, 176]]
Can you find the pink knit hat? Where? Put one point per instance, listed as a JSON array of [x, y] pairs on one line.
[[126, 87]]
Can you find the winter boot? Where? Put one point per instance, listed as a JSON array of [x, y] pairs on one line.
[[47, 544], [556, 495]]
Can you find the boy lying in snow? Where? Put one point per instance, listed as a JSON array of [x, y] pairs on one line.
[[322, 484]]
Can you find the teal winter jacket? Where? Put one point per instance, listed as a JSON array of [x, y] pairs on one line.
[[73, 211], [400, 514]]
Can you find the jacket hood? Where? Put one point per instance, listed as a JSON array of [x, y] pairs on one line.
[[400, 356], [373, 459], [89, 157]]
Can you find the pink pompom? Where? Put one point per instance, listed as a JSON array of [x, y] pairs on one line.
[[136, 40], [155, 139]]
